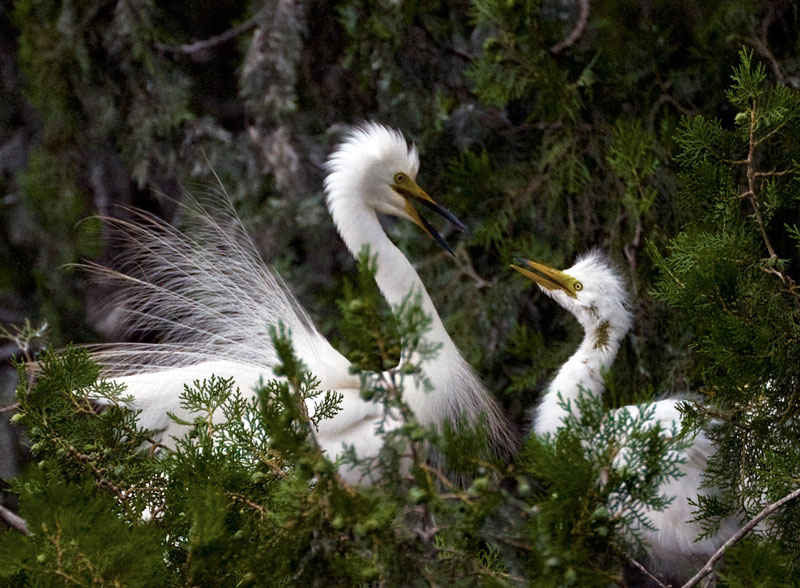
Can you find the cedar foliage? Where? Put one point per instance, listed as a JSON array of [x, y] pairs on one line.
[[733, 272], [630, 138], [252, 500]]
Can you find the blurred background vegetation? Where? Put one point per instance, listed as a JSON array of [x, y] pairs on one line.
[[547, 126]]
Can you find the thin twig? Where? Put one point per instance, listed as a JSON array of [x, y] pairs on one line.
[[155, 445], [446, 48], [271, 464], [761, 41], [13, 520], [664, 99], [468, 269], [773, 173], [580, 26], [99, 473], [750, 194], [9, 407], [767, 511], [262, 511], [751, 184], [647, 573], [197, 50]]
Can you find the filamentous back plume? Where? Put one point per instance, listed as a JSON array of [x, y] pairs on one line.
[[206, 292]]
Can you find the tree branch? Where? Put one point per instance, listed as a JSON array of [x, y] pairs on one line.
[[198, 50], [261, 510], [468, 269], [751, 195], [761, 40], [13, 520], [9, 407], [577, 32], [647, 573], [736, 537], [751, 183]]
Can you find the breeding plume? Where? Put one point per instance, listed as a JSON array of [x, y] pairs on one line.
[[596, 296], [208, 293]]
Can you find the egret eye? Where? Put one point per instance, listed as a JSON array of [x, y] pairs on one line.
[[578, 286], [399, 178]]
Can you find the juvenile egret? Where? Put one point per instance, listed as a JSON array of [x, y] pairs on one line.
[[214, 299], [596, 296]]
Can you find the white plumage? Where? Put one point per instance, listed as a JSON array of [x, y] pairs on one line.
[[595, 294], [206, 290], [362, 183]]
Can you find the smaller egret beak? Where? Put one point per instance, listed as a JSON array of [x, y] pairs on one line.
[[547, 277], [411, 191]]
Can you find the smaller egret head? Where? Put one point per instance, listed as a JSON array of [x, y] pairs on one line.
[[592, 290], [376, 168]]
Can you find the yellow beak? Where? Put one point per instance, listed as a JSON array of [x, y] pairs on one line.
[[547, 277]]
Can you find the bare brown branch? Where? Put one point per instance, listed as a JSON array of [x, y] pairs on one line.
[[99, 473], [760, 41], [577, 32], [751, 184], [199, 50], [647, 573], [468, 269], [240, 498], [752, 196], [773, 173], [9, 407]]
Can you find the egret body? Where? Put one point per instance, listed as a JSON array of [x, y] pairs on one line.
[[374, 171], [596, 296], [214, 300]]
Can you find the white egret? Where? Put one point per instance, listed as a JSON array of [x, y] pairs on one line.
[[373, 171], [596, 296], [207, 290]]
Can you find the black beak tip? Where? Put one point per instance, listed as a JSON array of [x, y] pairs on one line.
[[520, 261]]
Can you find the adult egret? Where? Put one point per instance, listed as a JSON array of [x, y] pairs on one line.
[[596, 296], [207, 290], [374, 170]]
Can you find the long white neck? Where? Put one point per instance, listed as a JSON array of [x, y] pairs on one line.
[[583, 372], [456, 390], [396, 278]]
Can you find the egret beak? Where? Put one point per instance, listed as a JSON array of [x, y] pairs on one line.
[[547, 277], [411, 191]]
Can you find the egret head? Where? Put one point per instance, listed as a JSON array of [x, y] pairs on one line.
[[374, 167], [592, 290]]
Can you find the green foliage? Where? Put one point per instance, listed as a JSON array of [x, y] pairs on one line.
[[367, 322], [58, 206], [247, 497], [57, 56], [78, 537], [629, 137], [600, 476], [733, 272], [632, 158], [515, 62], [754, 564]]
